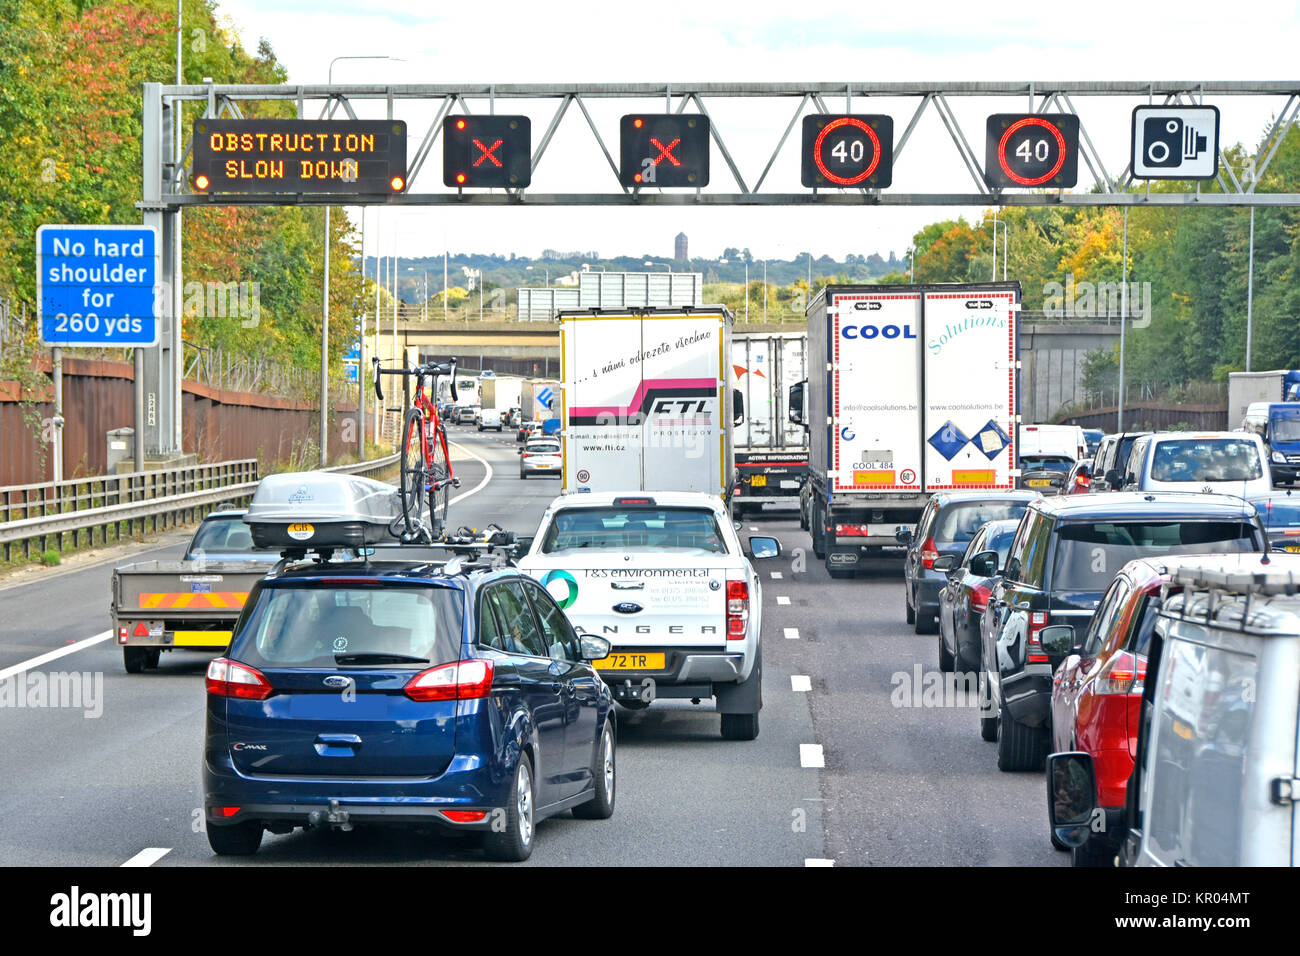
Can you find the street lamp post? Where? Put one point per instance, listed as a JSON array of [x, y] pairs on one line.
[[999, 222], [911, 265], [325, 298]]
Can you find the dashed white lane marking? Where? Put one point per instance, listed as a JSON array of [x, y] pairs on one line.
[[54, 655], [782, 599], [776, 575], [481, 485], [792, 633], [800, 683], [811, 861], [148, 856], [810, 755], [753, 527]]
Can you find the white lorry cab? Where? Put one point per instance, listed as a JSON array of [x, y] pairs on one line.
[[664, 578], [1216, 779]]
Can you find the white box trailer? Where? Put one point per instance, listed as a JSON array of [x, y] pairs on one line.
[[539, 399], [771, 451], [912, 389], [500, 394], [644, 400], [1247, 388]]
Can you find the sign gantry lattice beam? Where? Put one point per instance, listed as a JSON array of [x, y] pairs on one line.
[[970, 176]]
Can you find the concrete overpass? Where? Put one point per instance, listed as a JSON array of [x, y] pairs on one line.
[[1051, 351]]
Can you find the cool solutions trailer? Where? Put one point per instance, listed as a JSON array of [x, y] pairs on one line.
[[911, 389]]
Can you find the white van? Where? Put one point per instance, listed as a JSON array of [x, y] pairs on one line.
[[1055, 441], [1221, 463], [1216, 775]]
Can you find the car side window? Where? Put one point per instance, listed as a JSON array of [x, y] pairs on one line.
[[975, 547], [516, 617], [489, 631], [1104, 620], [927, 519], [557, 633], [1132, 470], [1015, 557]]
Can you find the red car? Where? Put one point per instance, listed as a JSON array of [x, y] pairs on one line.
[[1097, 692]]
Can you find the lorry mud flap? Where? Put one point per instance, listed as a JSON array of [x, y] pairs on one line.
[[743, 698]]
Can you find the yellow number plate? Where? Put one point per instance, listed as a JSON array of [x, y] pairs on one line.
[[630, 662], [758, 481], [1292, 547], [1039, 483]]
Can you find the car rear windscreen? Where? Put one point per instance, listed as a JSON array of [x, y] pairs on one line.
[[364, 625], [577, 528], [1206, 459], [1088, 556], [1046, 463], [224, 535], [959, 521]]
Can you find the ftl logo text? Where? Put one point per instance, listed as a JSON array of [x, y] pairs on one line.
[[77, 909]]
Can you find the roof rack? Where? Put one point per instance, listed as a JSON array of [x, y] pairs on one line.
[[1223, 585], [472, 550]]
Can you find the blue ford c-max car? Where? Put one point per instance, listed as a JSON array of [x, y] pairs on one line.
[[396, 692]]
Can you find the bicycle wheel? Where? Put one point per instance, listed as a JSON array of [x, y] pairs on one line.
[[413, 478], [439, 480]]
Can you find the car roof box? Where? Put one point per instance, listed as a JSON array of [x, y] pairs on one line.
[[320, 509]]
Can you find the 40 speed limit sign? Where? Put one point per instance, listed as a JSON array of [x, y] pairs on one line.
[[848, 151]]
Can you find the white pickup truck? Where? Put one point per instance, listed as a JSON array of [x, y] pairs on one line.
[[664, 577]]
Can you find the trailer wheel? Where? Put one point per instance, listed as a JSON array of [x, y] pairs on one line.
[[818, 533], [135, 659]]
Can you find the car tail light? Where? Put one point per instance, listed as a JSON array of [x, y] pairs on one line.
[[929, 552], [979, 597], [227, 678], [528, 454], [459, 680], [1125, 673], [1035, 654], [737, 610], [465, 816], [852, 530], [121, 634]]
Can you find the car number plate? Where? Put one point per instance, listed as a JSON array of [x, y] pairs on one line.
[[1292, 547], [758, 481], [630, 662], [1039, 482]]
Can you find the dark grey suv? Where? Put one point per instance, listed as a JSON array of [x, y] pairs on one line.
[[1066, 552]]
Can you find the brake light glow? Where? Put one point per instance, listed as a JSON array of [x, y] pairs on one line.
[[1124, 673], [459, 680], [852, 530], [979, 597], [929, 551], [1034, 649], [737, 610], [226, 811], [634, 501], [227, 678]]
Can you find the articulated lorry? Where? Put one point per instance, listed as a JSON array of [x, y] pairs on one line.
[[771, 450], [644, 401], [912, 389]]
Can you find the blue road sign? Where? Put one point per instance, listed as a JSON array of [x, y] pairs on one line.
[[98, 285], [350, 372]]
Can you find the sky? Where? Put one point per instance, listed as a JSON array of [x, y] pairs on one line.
[[504, 41]]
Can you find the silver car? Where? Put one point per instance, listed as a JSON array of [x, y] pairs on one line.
[[540, 456]]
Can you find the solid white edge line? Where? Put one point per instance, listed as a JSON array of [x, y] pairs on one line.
[[54, 655], [482, 484], [811, 755], [148, 856]]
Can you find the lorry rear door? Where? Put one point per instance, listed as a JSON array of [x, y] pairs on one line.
[[971, 342]]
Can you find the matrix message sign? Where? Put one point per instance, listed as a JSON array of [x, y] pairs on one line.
[[341, 157], [487, 151], [664, 149], [1034, 150], [848, 151]]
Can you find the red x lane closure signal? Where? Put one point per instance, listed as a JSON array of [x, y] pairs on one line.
[[487, 153], [665, 152]]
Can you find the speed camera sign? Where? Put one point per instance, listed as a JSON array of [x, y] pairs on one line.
[[848, 151], [1178, 142]]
